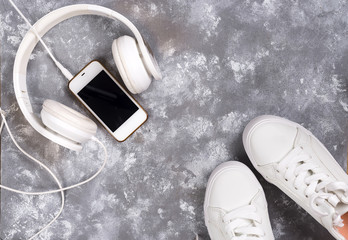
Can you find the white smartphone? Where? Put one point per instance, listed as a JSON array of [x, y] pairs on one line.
[[108, 101]]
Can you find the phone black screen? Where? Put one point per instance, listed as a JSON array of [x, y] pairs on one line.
[[108, 101]]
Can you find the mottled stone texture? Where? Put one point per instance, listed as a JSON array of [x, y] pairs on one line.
[[224, 63]]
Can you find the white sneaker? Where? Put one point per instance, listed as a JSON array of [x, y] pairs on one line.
[[235, 206], [290, 157]]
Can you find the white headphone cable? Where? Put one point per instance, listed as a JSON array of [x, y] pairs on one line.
[[61, 189], [47, 169], [65, 71], [3, 122]]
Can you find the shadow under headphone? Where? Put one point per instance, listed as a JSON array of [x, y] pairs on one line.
[[59, 123]]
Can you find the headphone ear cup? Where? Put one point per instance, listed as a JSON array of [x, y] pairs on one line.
[[67, 122], [130, 64]]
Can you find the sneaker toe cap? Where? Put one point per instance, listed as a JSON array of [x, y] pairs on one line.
[[233, 188], [269, 141]]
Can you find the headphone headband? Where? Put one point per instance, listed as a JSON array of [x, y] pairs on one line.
[[28, 44]]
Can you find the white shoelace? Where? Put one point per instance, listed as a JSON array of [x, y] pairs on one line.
[[243, 224], [298, 168]]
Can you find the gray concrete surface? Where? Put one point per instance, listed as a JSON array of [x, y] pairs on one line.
[[224, 63]]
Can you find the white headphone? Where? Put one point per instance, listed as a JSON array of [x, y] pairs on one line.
[[60, 123]]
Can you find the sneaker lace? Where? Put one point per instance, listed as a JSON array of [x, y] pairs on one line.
[[243, 224], [298, 167]]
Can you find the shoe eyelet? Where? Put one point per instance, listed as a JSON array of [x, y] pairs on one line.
[[286, 179], [306, 196]]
